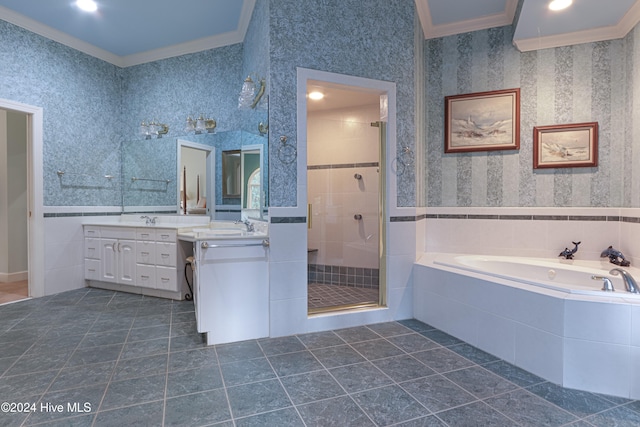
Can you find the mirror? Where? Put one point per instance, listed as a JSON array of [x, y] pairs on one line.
[[231, 172], [157, 185], [252, 179]]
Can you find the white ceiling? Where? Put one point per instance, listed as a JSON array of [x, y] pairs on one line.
[[130, 32]]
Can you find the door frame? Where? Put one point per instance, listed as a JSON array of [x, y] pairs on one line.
[[35, 187], [211, 173], [387, 92]]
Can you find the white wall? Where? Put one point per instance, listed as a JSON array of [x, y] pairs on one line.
[[13, 196], [340, 137]]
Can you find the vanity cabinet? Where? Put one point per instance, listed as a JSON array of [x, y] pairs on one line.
[[231, 289], [135, 259]]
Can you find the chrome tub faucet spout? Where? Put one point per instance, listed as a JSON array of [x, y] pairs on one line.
[[629, 282]]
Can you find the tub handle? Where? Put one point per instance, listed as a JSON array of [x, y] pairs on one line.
[[607, 286]]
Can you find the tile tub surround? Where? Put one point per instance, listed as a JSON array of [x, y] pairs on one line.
[[139, 360], [584, 342]]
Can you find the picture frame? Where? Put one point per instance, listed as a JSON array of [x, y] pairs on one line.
[[565, 146], [482, 121]]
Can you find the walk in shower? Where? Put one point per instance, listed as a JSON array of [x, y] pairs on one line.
[[344, 194]]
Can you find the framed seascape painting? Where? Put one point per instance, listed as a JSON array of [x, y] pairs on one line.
[[482, 121], [565, 146]]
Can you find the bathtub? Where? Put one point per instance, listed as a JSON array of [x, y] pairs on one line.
[[547, 316], [572, 276]]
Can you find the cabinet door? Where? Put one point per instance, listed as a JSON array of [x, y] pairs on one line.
[[109, 265], [126, 261]]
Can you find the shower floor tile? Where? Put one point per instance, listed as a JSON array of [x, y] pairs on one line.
[[322, 295]]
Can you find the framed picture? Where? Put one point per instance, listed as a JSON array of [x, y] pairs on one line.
[[565, 146], [482, 121]]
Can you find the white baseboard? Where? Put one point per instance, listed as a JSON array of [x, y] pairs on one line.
[[14, 277]]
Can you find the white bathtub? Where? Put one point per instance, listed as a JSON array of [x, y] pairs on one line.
[[572, 276], [547, 316]]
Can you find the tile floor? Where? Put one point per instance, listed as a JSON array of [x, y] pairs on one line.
[[322, 295], [139, 361]]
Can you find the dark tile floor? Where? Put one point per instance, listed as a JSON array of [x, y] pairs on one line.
[[322, 295], [129, 360]]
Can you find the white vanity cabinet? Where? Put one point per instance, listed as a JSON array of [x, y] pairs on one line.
[[134, 259], [231, 289], [156, 259]]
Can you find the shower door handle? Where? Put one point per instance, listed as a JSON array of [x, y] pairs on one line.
[[309, 215]]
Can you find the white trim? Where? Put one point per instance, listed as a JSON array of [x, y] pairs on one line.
[[211, 171], [36, 193], [14, 277], [481, 23], [618, 31], [179, 49]]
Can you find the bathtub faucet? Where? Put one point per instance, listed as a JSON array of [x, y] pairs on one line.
[[629, 282]]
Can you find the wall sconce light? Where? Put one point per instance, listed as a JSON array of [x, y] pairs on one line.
[[248, 98], [153, 128], [263, 128], [200, 125]]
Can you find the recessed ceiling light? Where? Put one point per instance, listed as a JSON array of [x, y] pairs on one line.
[[316, 96], [87, 5], [560, 4]]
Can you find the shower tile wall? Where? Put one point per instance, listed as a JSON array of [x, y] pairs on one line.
[[342, 143]]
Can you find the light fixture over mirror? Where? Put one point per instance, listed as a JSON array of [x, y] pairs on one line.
[[248, 98], [153, 128], [200, 125]]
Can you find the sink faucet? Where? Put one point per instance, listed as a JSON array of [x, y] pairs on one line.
[[629, 282], [150, 221], [248, 224]]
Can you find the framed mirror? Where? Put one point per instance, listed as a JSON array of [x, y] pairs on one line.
[[252, 194], [231, 174]]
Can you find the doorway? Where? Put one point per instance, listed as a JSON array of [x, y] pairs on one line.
[[345, 197], [33, 119], [13, 207], [196, 178]]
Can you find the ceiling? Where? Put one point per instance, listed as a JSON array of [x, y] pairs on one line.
[[130, 32]]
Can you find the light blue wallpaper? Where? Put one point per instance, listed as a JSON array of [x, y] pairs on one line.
[[171, 89], [374, 41], [581, 83], [80, 98]]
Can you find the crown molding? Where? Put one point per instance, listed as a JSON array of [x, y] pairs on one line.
[[193, 46], [618, 31], [482, 23]]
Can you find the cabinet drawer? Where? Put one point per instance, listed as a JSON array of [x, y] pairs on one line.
[[166, 254], [92, 248], [145, 276], [118, 233], [145, 234], [92, 269], [166, 235], [166, 278], [218, 252], [145, 252], [91, 231]]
